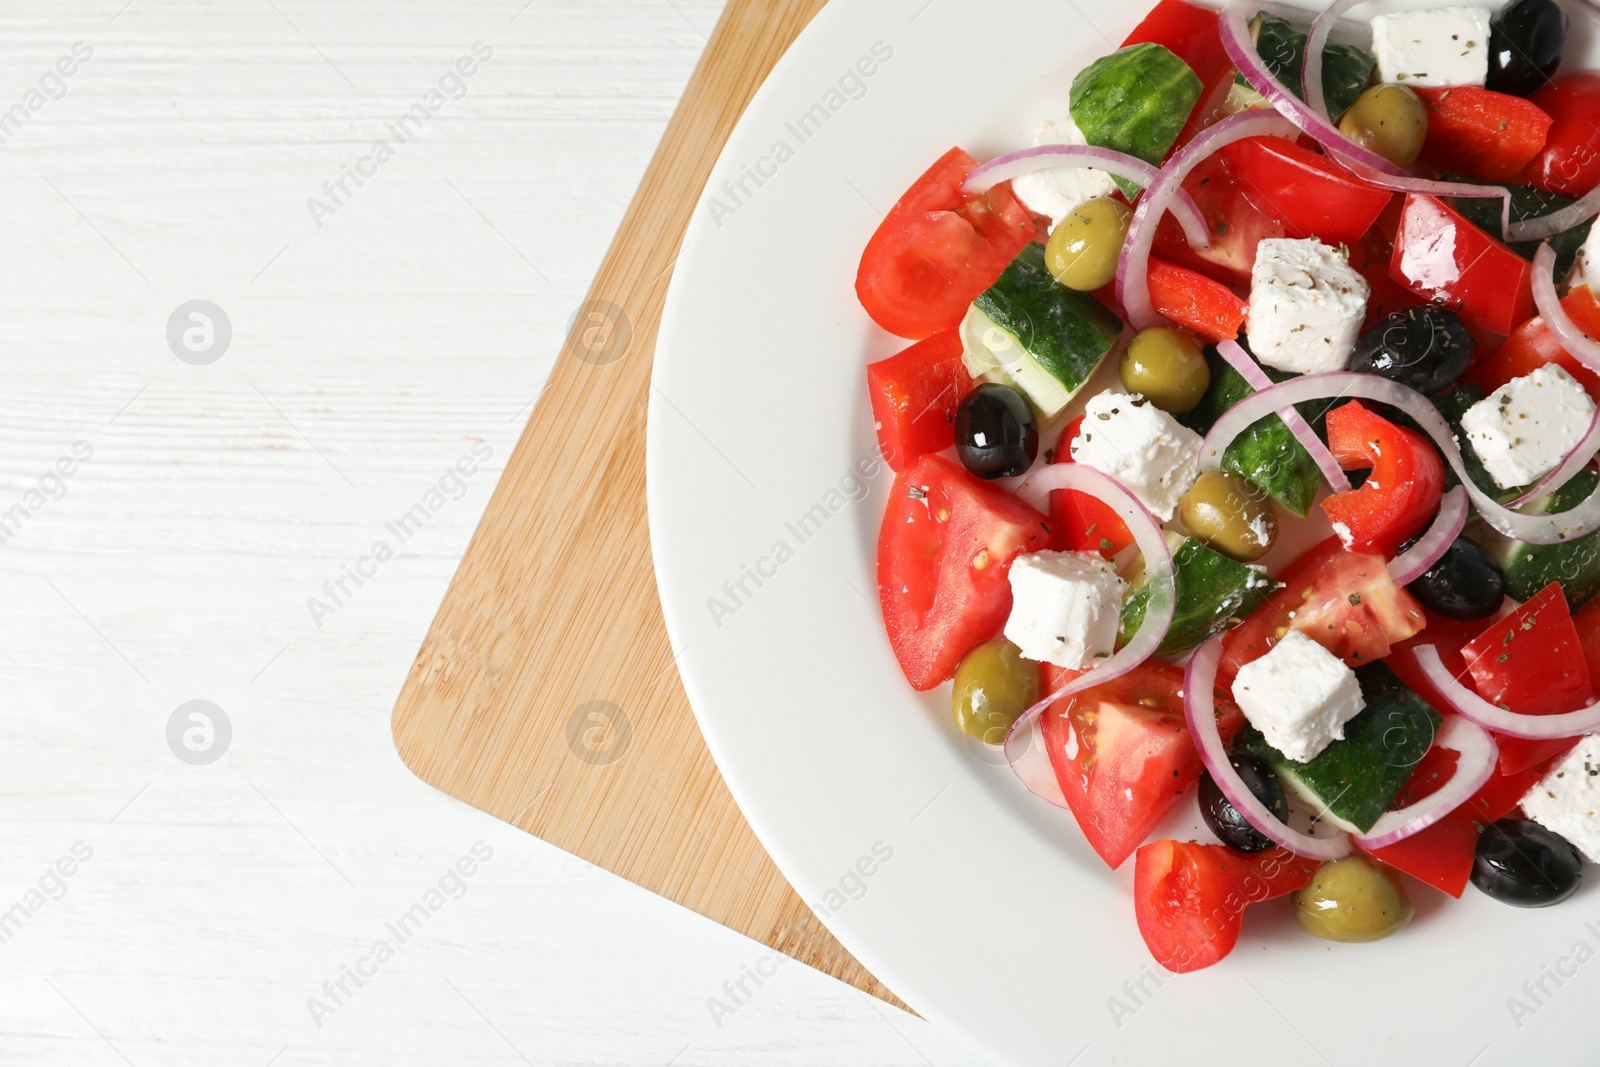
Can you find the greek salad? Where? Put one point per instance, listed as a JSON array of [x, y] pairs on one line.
[[1245, 452]]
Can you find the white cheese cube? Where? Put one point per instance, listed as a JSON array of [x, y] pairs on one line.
[[1586, 268], [1567, 800], [1437, 47], [1524, 429], [1141, 446], [1299, 695], [1307, 305], [1066, 608], [1055, 192]]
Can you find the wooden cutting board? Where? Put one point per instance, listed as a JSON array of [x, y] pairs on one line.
[[545, 693]]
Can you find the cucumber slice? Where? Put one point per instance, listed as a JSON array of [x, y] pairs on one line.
[[1575, 564], [1346, 69], [1135, 100], [1032, 333], [1352, 782], [1213, 591]]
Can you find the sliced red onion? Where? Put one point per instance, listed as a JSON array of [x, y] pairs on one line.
[[1407, 183], [1470, 704], [1316, 41], [1585, 348], [1576, 460], [1546, 529], [1133, 268], [1478, 753], [1024, 744], [1447, 525], [1049, 156], [1240, 361], [1567, 218], [1199, 708]]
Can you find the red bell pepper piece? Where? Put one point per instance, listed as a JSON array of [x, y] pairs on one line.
[[1482, 133], [1398, 497], [1439, 255]]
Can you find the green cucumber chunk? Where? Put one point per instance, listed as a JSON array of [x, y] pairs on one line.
[[1527, 202], [1266, 454], [1346, 69], [1355, 780], [1031, 332], [1575, 564], [1135, 100], [1213, 591]]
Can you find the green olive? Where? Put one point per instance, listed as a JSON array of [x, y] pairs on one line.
[[1085, 245], [1353, 899], [1229, 514], [994, 686], [1390, 120], [1168, 367]]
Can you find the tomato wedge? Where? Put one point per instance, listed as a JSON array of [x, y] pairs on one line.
[[1306, 191], [1398, 497], [1081, 522], [1570, 162], [944, 553], [1123, 756], [1533, 345], [938, 248], [1441, 855], [1344, 601], [1196, 302], [1237, 226], [1441, 256], [1189, 898], [914, 398], [1482, 133]]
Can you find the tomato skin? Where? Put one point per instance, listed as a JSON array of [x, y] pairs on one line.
[[1570, 161], [1482, 133], [1196, 302], [1531, 661], [1189, 899], [914, 398], [938, 248], [1441, 855], [1441, 256], [1532, 345], [1307, 192], [1403, 490], [942, 582], [1123, 756], [1344, 601], [1082, 522], [1237, 226]]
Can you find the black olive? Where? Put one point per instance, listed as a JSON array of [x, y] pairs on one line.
[[1522, 864], [1226, 821], [1525, 42], [1466, 583], [996, 435], [1425, 347]]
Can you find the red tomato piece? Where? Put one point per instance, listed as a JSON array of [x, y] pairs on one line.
[[1441, 855], [1482, 133], [1531, 661], [1344, 601], [938, 248], [1443, 257], [914, 398], [1196, 302], [1123, 756], [1570, 162], [1309, 194], [1398, 497], [1237, 226], [1189, 899], [1447, 636], [1587, 622], [944, 553], [1190, 32], [1081, 522], [1533, 345]]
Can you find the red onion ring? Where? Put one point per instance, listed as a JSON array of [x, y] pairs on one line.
[[1573, 215], [1024, 743], [1447, 525], [1406, 183], [1472, 706], [1120, 164], [1199, 709], [1585, 348], [1240, 361], [1133, 268], [1535, 529], [1475, 767], [1576, 460]]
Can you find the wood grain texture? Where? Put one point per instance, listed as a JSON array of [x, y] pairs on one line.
[[545, 692]]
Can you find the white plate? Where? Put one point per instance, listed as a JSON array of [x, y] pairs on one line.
[[991, 917]]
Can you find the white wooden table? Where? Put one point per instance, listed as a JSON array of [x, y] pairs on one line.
[[179, 529]]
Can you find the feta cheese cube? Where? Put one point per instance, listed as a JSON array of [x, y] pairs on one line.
[[1524, 429], [1567, 800], [1436, 47], [1141, 446], [1299, 695], [1586, 268], [1307, 305], [1066, 608], [1055, 192]]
